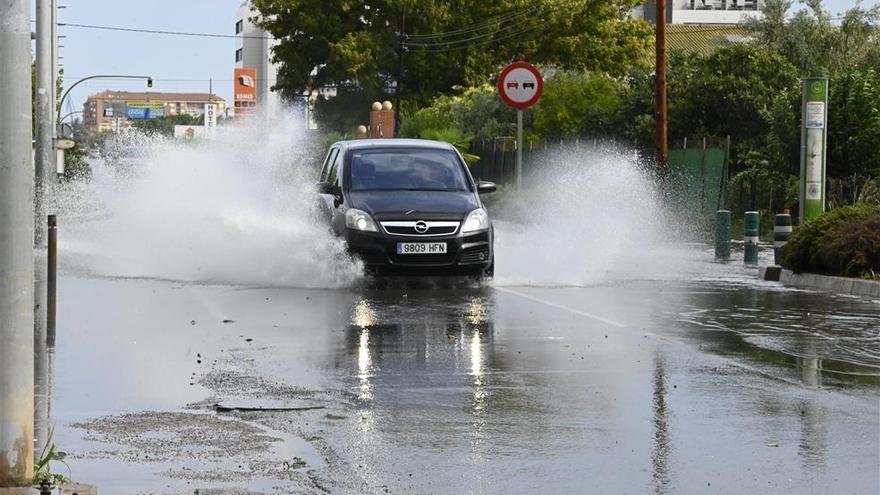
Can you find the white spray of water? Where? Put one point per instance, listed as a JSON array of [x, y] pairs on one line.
[[590, 216], [236, 209]]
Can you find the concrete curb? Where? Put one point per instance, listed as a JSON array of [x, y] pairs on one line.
[[842, 285]]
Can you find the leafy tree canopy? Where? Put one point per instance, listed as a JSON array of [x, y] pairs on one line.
[[354, 42], [816, 41]]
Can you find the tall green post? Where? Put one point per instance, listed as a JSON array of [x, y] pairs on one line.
[[814, 135]]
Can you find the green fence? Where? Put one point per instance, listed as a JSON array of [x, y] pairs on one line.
[[698, 177]]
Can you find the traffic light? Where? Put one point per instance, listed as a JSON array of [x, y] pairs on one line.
[[149, 82]]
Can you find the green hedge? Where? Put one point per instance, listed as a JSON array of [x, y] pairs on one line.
[[844, 242]]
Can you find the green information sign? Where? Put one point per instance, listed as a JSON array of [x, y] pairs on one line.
[[814, 134]]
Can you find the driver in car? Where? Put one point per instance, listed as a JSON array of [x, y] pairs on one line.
[[427, 176]]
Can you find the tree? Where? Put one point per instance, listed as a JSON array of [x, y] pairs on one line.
[[812, 41], [854, 123], [354, 43], [575, 104]]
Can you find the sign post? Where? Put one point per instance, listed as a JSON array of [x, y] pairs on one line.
[[814, 135], [520, 85]]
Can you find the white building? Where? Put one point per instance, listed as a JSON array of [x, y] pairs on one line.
[[703, 11], [253, 49]]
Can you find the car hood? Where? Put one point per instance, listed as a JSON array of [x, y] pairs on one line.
[[427, 204]]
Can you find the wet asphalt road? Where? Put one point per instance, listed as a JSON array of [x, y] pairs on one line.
[[627, 386]]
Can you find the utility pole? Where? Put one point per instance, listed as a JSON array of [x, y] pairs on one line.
[[401, 37], [16, 246], [44, 115], [661, 114]]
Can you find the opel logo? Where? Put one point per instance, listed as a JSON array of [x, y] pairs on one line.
[[421, 227]]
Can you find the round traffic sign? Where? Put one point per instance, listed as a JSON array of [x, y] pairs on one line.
[[520, 84]]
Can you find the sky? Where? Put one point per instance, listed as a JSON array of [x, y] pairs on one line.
[[176, 63]]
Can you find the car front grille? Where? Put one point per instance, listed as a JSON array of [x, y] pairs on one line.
[[419, 228]]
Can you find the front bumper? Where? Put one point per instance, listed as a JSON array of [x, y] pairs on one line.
[[471, 252]]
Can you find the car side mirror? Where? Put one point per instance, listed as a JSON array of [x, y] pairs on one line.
[[484, 187], [325, 188]]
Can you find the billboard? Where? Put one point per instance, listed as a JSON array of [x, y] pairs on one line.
[[140, 110], [245, 90]]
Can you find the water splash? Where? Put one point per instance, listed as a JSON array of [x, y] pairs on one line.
[[237, 209], [589, 216]]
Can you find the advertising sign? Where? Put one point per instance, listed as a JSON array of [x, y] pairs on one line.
[[520, 84], [245, 90], [814, 135], [139, 110], [210, 117]]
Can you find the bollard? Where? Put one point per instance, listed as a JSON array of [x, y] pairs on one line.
[[51, 280], [750, 237], [722, 235], [781, 233]]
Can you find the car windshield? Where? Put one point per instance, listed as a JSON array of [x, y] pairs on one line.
[[406, 170]]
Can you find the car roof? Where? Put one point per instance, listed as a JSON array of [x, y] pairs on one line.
[[358, 144]]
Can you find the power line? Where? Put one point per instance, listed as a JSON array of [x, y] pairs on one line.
[[465, 41], [158, 31], [501, 18], [484, 42]]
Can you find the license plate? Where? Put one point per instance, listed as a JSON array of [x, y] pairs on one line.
[[421, 248]]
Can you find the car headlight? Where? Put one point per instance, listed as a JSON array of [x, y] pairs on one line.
[[476, 220], [359, 220]]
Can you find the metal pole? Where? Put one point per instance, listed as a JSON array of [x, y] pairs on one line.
[[400, 48], [519, 138], [781, 235], [660, 91], [722, 235], [45, 90], [51, 279], [16, 246], [41, 382], [750, 237], [52, 175]]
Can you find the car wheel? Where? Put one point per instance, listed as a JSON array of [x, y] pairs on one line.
[[485, 273]]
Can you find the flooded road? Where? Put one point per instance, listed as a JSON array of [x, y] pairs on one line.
[[663, 385]]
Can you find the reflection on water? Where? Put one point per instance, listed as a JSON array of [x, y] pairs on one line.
[[660, 481], [822, 336], [813, 444], [364, 364], [408, 346], [363, 316]]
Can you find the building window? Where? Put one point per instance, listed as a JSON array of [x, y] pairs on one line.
[[239, 27], [238, 55]]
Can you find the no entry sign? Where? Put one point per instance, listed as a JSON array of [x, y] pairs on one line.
[[520, 84]]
